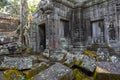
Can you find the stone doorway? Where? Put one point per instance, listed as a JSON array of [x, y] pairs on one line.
[[42, 34], [98, 32], [64, 30]]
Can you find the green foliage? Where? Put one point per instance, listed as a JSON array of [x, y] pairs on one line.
[[10, 7], [32, 5], [13, 6], [3, 3]]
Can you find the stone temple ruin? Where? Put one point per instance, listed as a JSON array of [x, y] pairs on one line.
[[69, 40], [79, 22]]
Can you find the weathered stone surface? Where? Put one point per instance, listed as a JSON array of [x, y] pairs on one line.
[[13, 75], [2, 77], [63, 43], [88, 63], [108, 71], [9, 48], [46, 53], [103, 54], [113, 68], [55, 72], [4, 51], [69, 58], [13, 46], [57, 55], [36, 69], [17, 62], [114, 59], [4, 40]]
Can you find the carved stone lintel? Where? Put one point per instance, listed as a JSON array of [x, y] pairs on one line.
[[67, 3]]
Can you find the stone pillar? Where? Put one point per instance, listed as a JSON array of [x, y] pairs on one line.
[[119, 28], [49, 31], [77, 27], [33, 36], [56, 29]]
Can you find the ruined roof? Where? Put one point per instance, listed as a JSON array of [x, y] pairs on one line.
[[77, 1], [7, 16]]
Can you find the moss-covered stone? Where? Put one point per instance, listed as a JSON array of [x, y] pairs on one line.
[[78, 63], [77, 75], [89, 53], [29, 74], [13, 75], [29, 50], [64, 78]]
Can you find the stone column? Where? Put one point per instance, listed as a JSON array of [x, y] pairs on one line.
[[56, 29], [77, 27], [49, 31], [33, 36]]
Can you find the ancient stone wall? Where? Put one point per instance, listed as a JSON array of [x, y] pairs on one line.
[[56, 20], [103, 11], [82, 23]]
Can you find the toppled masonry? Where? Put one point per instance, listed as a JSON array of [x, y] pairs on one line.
[[55, 72]]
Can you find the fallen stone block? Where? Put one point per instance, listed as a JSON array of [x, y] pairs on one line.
[[107, 71], [13, 75], [103, 54], [57, 55], [16, 62], [46, 53], [63, 43], [55, 72], [77, 75], [4, 40], [2, 77], [37, 68], [115, 59], [88, 63], [12, 47], [4, 51], [113, 68]]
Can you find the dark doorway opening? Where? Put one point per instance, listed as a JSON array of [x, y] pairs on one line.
[[98, 31], [65, 32], [42, 33]]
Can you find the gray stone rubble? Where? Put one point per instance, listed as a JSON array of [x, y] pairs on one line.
[[113, 68], [89, 63], [103, 54], [16, 62], [55, 72]]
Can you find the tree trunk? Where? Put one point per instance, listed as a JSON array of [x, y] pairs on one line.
[[23, 19]]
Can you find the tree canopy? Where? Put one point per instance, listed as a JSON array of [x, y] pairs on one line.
[[13, 6]]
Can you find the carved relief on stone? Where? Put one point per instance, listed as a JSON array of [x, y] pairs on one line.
[[111, 31], [46, 6], [44, 2]]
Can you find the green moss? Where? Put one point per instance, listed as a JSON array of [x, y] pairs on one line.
[[21, 49], [77, 75], [31, 73], [85, 79], [78, 63], [13, 75], [89, 53], [64, 58], [94, 75], [64, 78], [29, 50]]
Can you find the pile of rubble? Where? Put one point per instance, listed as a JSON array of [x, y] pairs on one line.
[[88, 65], [59, 64], [68, 66]]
